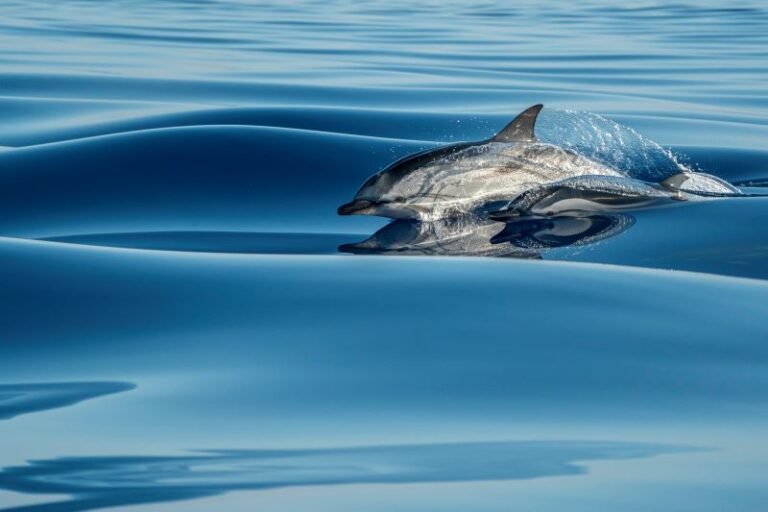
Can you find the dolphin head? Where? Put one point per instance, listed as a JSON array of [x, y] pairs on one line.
[[395, 192], [370, 198]]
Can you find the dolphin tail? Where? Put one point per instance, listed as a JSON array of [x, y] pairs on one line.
[[521, 127]]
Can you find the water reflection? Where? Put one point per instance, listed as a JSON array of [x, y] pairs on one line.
[[519, 237], [18, 399], [562, 231], [214, 241], [100, 482]]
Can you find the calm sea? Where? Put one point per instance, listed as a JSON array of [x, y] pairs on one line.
[[178, 331]]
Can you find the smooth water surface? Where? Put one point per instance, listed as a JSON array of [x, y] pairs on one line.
[[180, 332]]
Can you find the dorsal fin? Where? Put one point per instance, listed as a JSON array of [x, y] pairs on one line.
[[521, 127]]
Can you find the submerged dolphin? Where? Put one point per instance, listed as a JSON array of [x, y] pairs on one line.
[[492, 174]]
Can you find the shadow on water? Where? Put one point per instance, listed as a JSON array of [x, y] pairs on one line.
[[522, 237], [215, 241], [100, 482], [18, 399]]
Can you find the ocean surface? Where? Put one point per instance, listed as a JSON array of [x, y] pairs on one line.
[[179, 330]]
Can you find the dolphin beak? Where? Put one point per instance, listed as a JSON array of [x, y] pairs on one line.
[[368, 246], [355, 207], [356, 249]]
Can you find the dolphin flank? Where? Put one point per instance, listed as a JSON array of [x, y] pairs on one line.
[[515, 173]]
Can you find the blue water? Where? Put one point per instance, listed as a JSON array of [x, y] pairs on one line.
[[179, 331]]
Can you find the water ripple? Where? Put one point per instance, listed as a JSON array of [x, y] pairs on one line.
[[18, 399], [110, 481]]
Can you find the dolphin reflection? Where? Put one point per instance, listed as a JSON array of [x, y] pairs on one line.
[[498, 236], [562, 231]]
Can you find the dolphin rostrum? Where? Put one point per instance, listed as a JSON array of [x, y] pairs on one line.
[[513, 171]]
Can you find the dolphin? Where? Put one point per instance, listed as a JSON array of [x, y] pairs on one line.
[[457, 179]]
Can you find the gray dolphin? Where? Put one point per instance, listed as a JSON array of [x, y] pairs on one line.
[[455, 179]]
